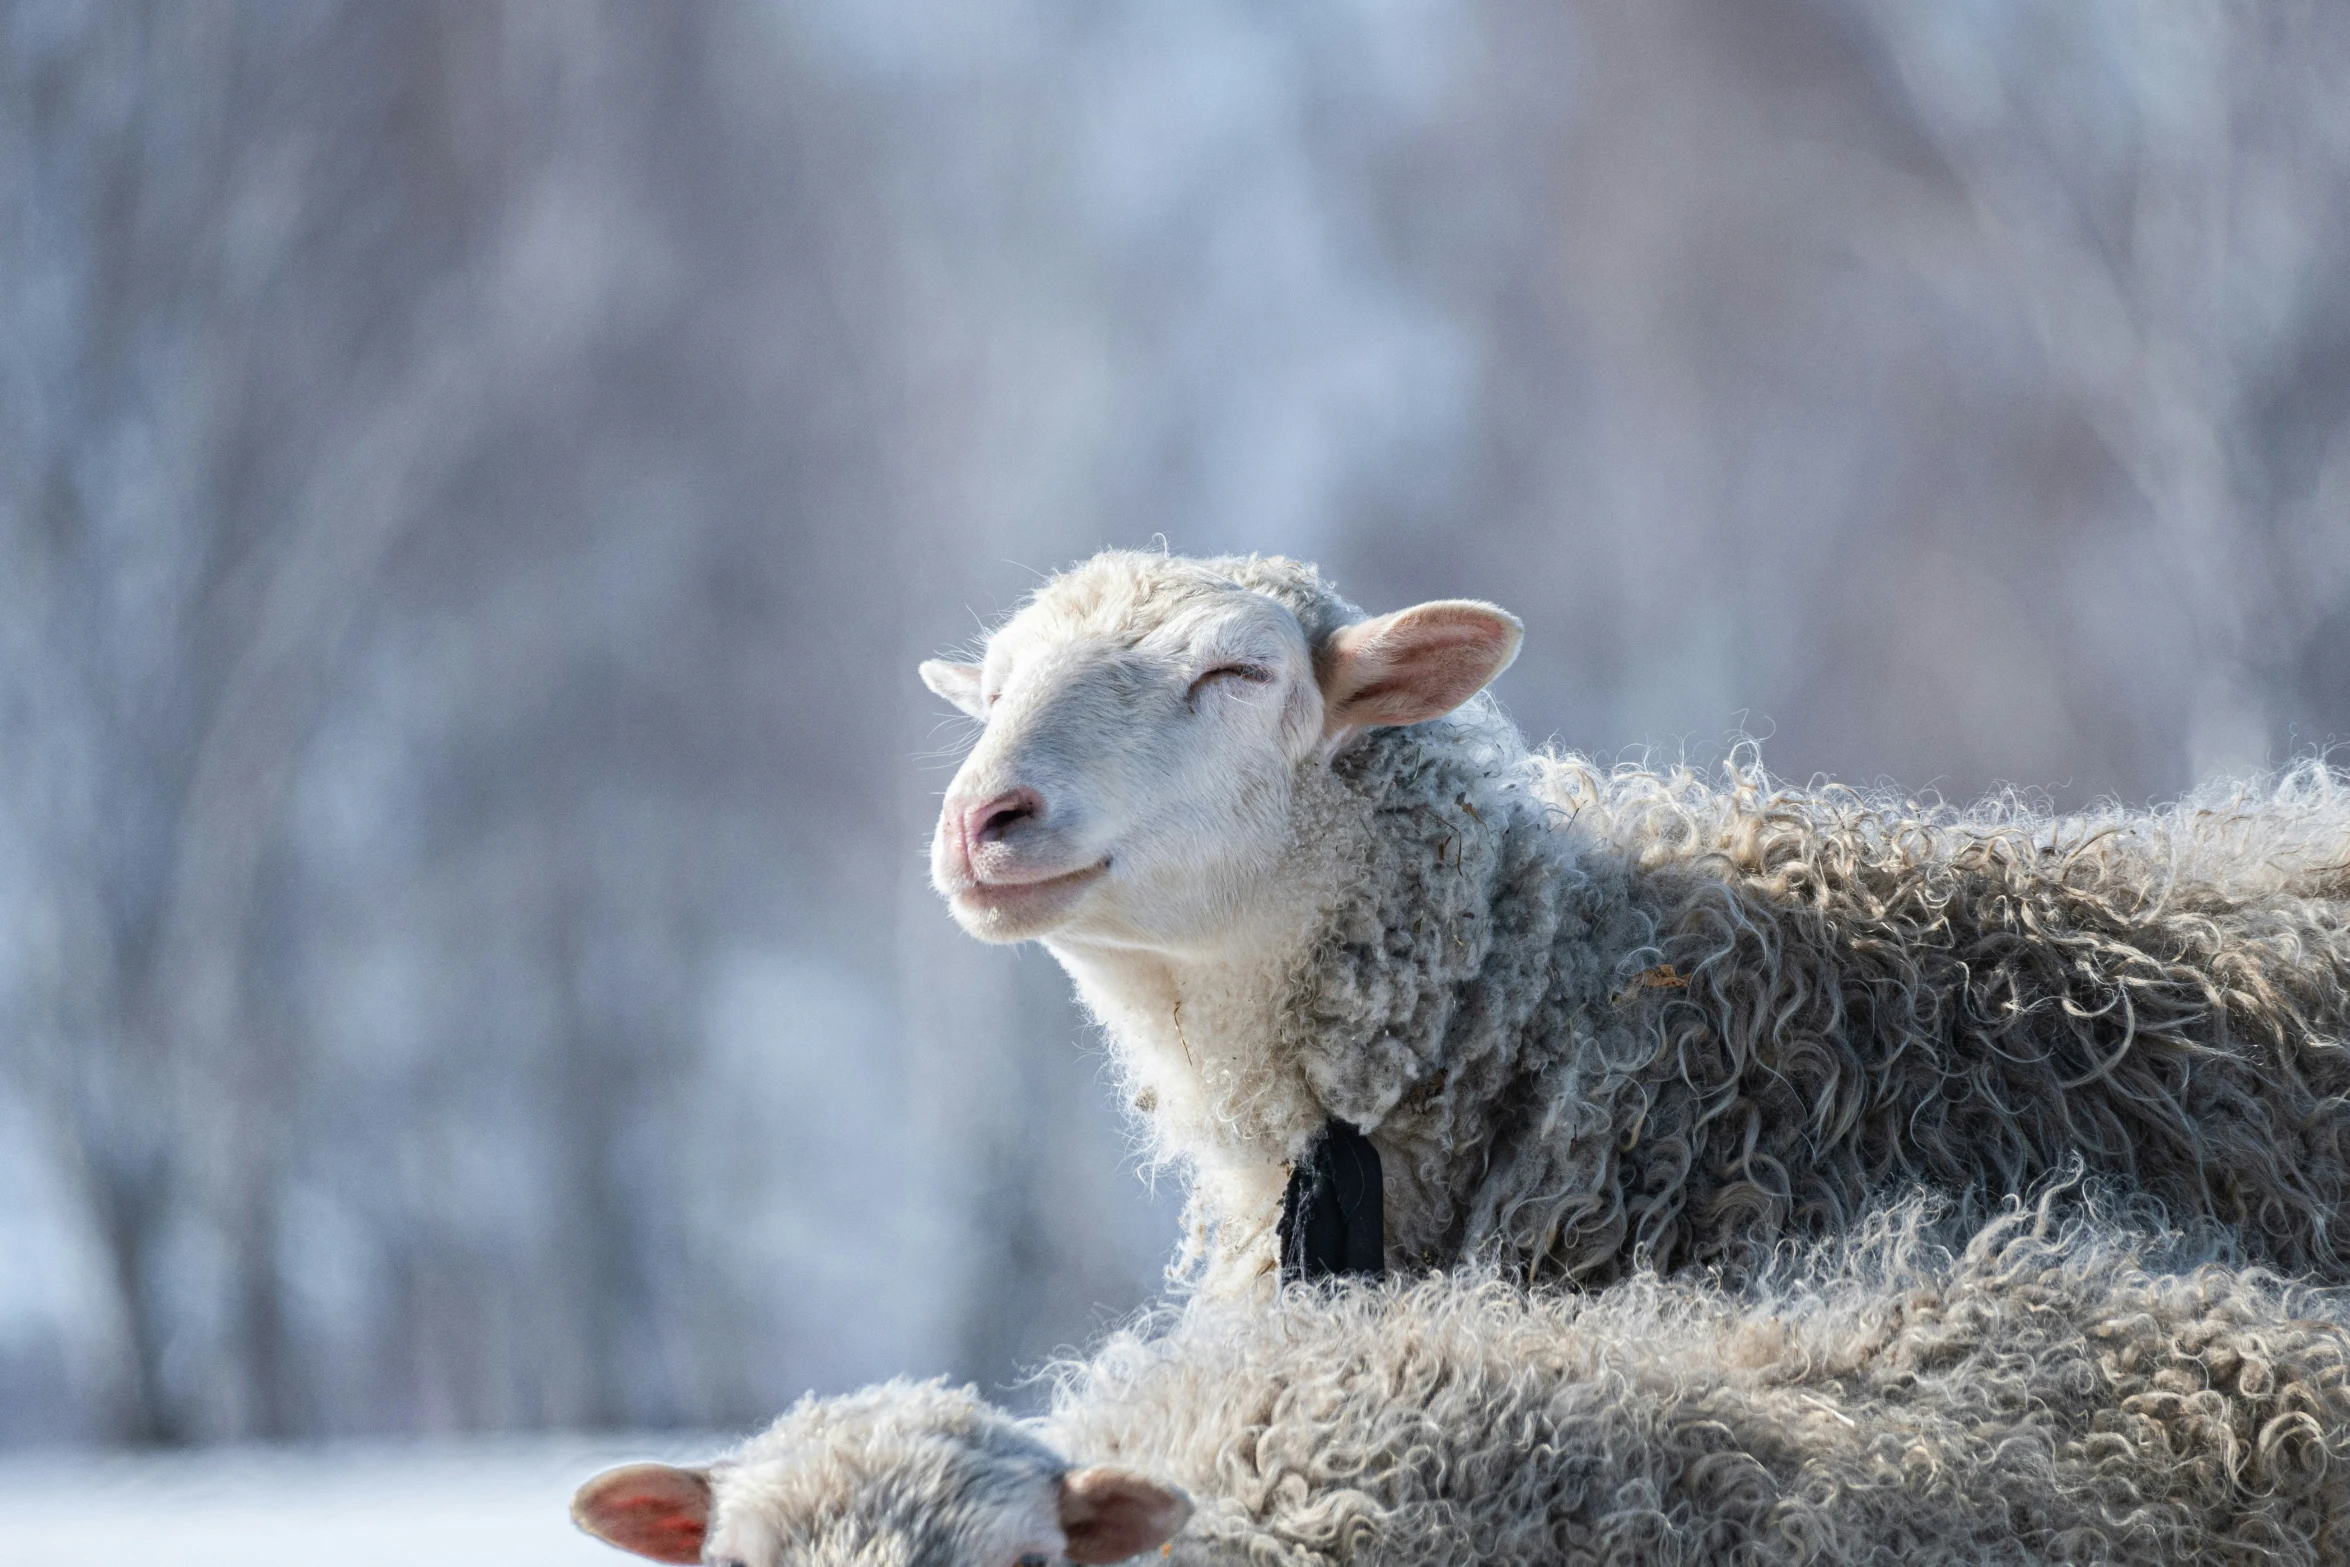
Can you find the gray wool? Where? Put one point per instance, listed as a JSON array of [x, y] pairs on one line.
[[1592, 1013], [2051, 1391]]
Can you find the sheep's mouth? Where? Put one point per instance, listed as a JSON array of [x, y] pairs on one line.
[[1025, 902]]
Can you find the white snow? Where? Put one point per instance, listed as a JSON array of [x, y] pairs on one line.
[[438, 1504]]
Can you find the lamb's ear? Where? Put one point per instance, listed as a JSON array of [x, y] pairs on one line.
[[958, 683], [654, 1510], [1414, 665], [1109, 1514]]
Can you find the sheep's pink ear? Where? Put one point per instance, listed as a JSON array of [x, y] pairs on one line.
[[1414, 665], [654, 1510], [1109, 1514], [958, 683]]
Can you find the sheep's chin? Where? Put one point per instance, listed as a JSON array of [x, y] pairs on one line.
[[995, 911]]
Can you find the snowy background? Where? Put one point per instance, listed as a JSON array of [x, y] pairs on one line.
[[476, 477], [464, 1502]]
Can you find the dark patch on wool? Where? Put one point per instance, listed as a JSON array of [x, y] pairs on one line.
[[1333, 1215]]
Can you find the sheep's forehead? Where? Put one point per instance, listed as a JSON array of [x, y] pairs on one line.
[[876, 1509], [904, 1475], [1160, 616]]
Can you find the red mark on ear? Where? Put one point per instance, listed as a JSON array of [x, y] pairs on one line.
[[655, 1510]]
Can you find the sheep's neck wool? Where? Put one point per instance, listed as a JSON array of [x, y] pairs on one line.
[[1391, 985]]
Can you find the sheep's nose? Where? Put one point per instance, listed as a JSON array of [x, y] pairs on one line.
[[992, 821]]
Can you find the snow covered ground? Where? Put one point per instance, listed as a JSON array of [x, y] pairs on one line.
[[440, 1504]]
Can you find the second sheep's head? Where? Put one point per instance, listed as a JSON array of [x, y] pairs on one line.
[[1147, 721], [903, 1473]]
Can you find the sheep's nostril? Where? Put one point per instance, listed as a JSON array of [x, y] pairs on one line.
[[996, 820], [1003, 821]]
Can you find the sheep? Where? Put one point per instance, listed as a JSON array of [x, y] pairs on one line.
[[1311, 882], [2056, 1392]]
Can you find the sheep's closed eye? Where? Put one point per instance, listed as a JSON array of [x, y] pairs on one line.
[[1241, 673]]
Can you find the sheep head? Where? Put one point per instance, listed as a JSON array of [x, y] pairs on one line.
[[1146, 720], [899, 1474]]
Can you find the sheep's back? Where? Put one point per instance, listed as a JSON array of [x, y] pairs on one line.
[[1842, 995], [2044, 1397]]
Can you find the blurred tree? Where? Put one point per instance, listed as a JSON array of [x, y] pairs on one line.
[[2168, 193], [194, 535]]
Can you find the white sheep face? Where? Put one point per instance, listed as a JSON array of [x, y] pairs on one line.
[[1146, 720]]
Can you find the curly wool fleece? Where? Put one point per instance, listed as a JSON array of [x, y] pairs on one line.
[[1589, 1014], [2041, 1398]]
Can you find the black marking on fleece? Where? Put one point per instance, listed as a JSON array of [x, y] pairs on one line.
[[1333, 1217]]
